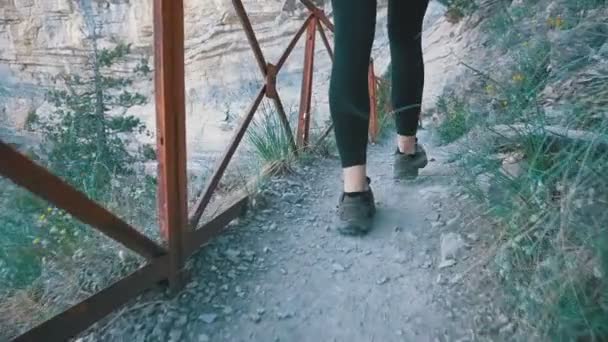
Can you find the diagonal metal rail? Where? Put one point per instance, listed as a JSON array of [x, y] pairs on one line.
[[35, 178], [176, 223]]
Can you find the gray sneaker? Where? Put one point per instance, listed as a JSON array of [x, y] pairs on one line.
[[356, 213], [406, 166]]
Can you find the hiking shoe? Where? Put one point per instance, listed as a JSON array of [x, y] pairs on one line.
[[406, 166], [356, 212]]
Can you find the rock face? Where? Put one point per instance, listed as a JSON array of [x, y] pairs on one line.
[[39, 39]]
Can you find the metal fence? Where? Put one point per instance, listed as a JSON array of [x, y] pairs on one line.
[[179, 224]]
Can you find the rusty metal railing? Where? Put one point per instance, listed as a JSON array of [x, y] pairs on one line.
[[179, 224]]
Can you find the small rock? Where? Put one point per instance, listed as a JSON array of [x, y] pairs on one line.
[[437, 224], [383, 281], [398, 229], [208, 317], [433, 217], [283, 271], [502, 319], [507, 329], [447, 263], [255, 318], [473, 237], [227, 310], [266, 250], [203, 338], [338, 268], [284, 315], [233, 255], [451, 244]]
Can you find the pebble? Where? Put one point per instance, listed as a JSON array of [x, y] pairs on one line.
[[451, 244], [255, 318], [284, 315], [508, 329], [447, 263], [338, 267], [472, 237], [208, 317], [383, 281], [437, 224], [203, 338], [433, 217], [233, 255]]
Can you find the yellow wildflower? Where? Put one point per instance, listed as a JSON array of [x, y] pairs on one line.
[[518, 77], [490, 89]]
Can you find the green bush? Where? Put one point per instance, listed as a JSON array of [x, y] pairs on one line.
[[87, 140], [458, 9], [456, 118]]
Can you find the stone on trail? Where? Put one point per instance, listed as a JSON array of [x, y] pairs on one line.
[[383, 281], [208, 317], [447, 263], [451, 244], [338, 267]]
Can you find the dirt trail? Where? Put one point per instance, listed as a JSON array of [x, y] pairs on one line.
[[284, 274]]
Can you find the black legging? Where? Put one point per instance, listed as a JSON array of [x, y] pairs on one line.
[[355, 24]]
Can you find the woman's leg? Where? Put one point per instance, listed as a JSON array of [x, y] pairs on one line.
[[355, 22], [405, 20]]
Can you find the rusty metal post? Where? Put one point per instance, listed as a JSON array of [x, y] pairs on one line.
[[306, 92], [373, 105], [319, 14], [171, 129]]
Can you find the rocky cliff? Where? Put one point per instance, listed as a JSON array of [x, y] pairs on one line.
[[40, 39]]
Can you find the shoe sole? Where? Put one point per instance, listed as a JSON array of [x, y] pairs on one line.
[[407, 174], [355, 229], [358, 227]]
